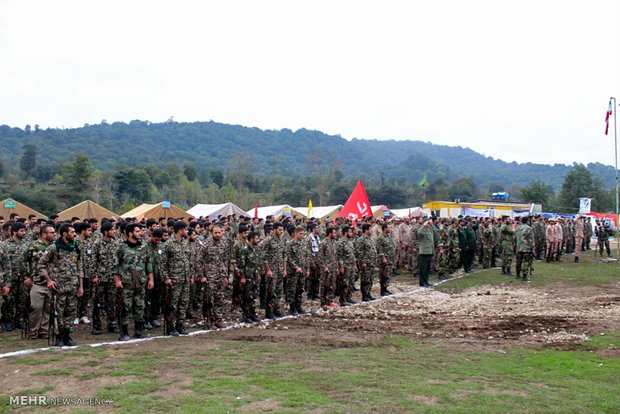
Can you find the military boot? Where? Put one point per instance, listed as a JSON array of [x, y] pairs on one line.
[[67, 339], [300, 310], [293, 309], [180, 328], [576, 259], [138, 330], [124, 333], [60, 338], [518, 275], [170, 330]]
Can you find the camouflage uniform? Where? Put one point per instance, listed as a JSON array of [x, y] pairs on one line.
[[63, 264], [89, 268], [442, 255], [295, 257], [488, 245], [16, 299], [235, 256], [453, 252], [194, 288], [346, 259], [415, 248], [539, 237], [105, 252], [262, 286], [273, 254], [385, 248], [314, 280], [133, 264], [367, 262], [175, 264], [328, 259], [40, 294], [507, 248], [525, 246], [154, 297], [213, 263], [249, 265]]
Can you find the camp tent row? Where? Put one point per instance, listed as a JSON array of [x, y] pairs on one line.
[[9, 206], [212, 211]]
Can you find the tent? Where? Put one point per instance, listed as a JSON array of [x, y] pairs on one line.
[[276, 211], [404, 212], [86, 209], [380, 211], [322, 212], [155, 211], [9, 206], [214, 210]]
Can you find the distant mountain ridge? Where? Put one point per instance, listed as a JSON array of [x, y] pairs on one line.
[[211, 145]]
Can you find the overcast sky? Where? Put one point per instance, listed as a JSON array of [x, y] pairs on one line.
[[516, 80]]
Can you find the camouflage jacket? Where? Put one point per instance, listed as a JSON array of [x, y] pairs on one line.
[[89, 258], [507, 234], [328, 255], [235, 255], [249, 263], [12, 253], [525, 238], [346, 252], [295, 256], [452, 240], [63, 264], [104, 256], [385, 247], [366, 253], [155, 252], [30, 259], [133, 264], [213, 258], [175, 261], [489, 239], [273, 253]]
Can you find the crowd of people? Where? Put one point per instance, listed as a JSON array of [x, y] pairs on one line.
[[152, 273]]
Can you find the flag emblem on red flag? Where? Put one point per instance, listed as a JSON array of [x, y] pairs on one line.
[[357, 205], [607, 118]]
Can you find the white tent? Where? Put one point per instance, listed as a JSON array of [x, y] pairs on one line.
[[214, 210], [321, 212], [404, 212], [276, 211]]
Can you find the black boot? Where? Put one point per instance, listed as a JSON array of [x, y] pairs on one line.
[[293, 309], [442, 276], [254, 317], [113, 329], [124, 333], [60, 338], [576, 259], [269, 313], [247, 319], [170, 330], [518, 275], [138, 330], [67, 338], [180, 329], [300, 310]]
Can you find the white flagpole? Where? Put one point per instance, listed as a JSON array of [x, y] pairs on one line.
[[616, 155]]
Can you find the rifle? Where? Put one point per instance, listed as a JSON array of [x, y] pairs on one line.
[[27, 309], [122, 308], [2, 312], [385, 278], [207, 305], [97, 307], [168, 309], [53, 322]]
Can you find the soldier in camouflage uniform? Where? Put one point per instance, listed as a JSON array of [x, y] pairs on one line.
[[177, 272], [539, 236], [154, 297], [313, 242], [415, 247], [488, 243], [442, 255], [105, 250], [60, 265], [453, 251], [40, 294], [385, 257], [212, 260], [89, 263], [262, 284], [273, 260], [328, 260], [507, 231], [132, 269], [249, 264], [12, 250], [239, 243], [296, 268], [525, 249], [194, 288], [367, 262], [347, 266]]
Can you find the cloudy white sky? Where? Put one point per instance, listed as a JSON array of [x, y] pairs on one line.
[[516, 80]]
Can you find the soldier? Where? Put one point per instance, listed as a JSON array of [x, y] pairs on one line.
[[453, 251], [12, 250], [262, 286], [132, 269], [249, 264], [313, 242], [415, 247], [507, 231], [212, 259], [441, 254], [105, 250], [428, 244], [395, 236], [470, 254], [40, 294], [404, 236], [347, 266], [525, 249], [587, 234], [238, 244], [89, 262], [176, 270], [579, 234], [385, 257], [328, 260], [602, 233], [60, 265], [367, 258], [296, 269], [94, 227], [273, 260], [154, 249]]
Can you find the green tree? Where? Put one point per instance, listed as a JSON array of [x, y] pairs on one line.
[[537, 192], [217, 176], [80, 170], [578, 183], [190, 171], [28, 161], [464, 189]]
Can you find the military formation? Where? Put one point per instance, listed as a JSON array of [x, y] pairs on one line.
[[165, 273]]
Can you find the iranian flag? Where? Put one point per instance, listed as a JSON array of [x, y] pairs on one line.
[[607, 118]]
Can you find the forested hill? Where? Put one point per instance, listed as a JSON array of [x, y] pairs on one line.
[[210, 145]]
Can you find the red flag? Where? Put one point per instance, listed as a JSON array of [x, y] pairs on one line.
[[255, 210], [607, 118], [409, 214], [357, 205]]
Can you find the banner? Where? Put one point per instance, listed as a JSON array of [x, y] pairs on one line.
[[584, 205], [475, 212], [357, 205]]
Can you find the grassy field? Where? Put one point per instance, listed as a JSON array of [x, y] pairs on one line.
[[392, 374]]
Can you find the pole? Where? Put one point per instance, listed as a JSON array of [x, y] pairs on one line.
[[616, 156]]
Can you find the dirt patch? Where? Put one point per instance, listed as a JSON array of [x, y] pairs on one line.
[[268, 405], [424, 399]]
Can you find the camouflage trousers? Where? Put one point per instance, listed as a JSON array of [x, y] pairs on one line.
[[328, 287], [525, 263], [384, 276], [507, 256], [154, 300], [314, 280], [294, 287], [132, 306], [453, 259], [180, 298], [414, 261], [604, 245], [16, 301], [403, 256], [249, 291], [540, 245], [107, 297], [487, 256], [273, 291], [66, 304], [442, 262], [83, 301], [366, 281], [578, 244], [346, 283]]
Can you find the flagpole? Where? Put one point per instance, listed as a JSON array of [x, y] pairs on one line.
[[616, 156]]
